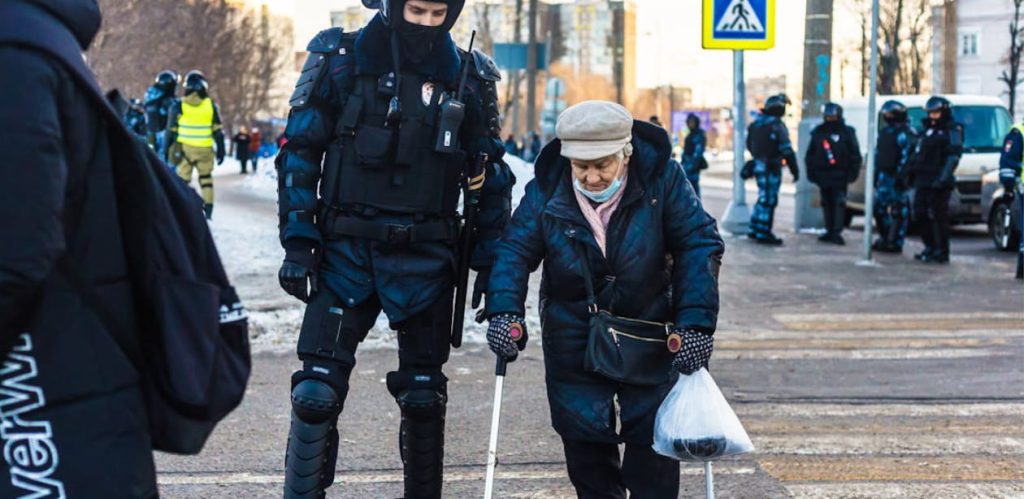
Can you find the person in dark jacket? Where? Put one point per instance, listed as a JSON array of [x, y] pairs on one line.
[[241, 142], [374, 228], [932, 171], [892, 155], [161, 98], [693, 151], [135, 118], [608, 198], [255, 143], [833, 161], [511, 146], [73, 416], [768, 142]]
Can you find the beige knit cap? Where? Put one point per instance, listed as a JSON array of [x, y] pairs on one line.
[[594, 129]]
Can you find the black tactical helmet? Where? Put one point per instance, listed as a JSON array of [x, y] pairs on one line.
[[135, 103], [166, 80], [392, 9], [937, 103], [832, 110], [693, 118], [894, 112], [776, 105], [195, 82]]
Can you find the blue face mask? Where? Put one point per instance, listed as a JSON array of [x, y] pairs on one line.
[[599, 196]]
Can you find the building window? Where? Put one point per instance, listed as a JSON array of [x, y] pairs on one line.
[[969, 42]]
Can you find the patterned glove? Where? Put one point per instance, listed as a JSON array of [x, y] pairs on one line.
[[694, 352], [506, 335]]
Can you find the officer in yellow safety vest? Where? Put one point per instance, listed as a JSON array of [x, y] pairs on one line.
[[193, 128]]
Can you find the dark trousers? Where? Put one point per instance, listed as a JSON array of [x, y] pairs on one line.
[[596, 473], [762, 218], [833, 203], [892, 210], [931, 207]]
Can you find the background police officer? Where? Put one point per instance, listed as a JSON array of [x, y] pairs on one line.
[[833, 161], [135, 119], [1011, 175], [193, 129], [160, 99], [693, 151], [374, 229], [935, 160], [768, 141], [892, 154]]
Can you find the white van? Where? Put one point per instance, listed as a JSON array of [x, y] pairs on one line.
[[986, 123]]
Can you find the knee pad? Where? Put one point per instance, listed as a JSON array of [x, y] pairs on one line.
[[314, 401], [419, 393]]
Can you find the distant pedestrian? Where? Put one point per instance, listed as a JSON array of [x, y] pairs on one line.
[[693, 151], [242, 140], [535, 146], [655, 121], [833, 161], [511, 146], [255, 143]]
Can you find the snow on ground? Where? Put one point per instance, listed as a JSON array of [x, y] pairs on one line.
[[245, 228]]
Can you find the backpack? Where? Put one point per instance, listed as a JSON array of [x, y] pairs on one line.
[[193, 345]]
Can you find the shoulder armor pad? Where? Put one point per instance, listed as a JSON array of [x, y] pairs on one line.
[[325, 41], [485, 67]]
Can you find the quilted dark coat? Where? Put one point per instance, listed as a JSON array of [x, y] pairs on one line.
[[659, 216]]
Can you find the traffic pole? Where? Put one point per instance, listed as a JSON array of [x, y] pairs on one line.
[[869, 171], [736, 219]]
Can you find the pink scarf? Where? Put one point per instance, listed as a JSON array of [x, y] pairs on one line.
[[599, 216]]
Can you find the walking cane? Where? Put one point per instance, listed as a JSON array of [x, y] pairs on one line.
[[516, 331], [709, 481]]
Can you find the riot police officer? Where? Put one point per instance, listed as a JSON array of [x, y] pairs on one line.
[[935, 159], [892, 154], [1011, 175], [833, 160], [193, 129], [693, 151], [768, 142], [160, 99], [396, 125], [135, 118]]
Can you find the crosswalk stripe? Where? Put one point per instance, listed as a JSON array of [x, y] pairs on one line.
[[873, 410], [858, 354], [886, 445], [927, 468], [907, 490]]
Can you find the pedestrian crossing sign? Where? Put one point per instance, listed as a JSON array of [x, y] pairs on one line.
[[739, 24]]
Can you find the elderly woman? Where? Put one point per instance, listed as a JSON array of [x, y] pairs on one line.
[[607, 208]]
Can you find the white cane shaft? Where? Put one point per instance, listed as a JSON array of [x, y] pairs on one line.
[[709, 481], [492, 446]]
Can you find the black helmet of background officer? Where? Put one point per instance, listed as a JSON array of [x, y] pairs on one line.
[[894, 112], [776, 105], [939, 111], [832, 112], [692, 121], [418, 23], [195, 83], [166, 81]]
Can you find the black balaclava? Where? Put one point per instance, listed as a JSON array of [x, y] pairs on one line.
[[416, 41]]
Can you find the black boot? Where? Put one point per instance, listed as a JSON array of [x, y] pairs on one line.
[[208, 210], [421, 396]]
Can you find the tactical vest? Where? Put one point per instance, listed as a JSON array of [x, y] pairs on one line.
[[834, 148], [372, 168], [888, 152], [764, 145], [931, 150], [195, 124]]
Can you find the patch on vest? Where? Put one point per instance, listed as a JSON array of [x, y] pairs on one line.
[[427, 93], [835, 137]]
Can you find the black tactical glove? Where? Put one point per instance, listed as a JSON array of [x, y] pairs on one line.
[[695, 351], [220, 156], [506, 335], [480, 286], [297, 275]]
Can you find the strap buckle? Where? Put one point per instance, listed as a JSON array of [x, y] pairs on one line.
[[399, 233]]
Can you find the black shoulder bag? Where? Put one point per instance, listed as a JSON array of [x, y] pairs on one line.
[[629, 351]]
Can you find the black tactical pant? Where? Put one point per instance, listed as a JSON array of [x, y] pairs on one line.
[[596, 473], [833, 204], [931, 208], [332, 331]]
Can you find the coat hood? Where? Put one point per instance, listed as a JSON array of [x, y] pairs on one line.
[[81, 17]]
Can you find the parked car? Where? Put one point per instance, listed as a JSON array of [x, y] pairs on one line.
[[986, 122], [1002, 213]]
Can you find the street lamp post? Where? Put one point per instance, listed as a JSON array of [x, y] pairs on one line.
[[869, 171]]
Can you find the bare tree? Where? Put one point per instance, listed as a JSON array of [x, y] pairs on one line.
[[1011, 77], [240, 51], [904, 38]]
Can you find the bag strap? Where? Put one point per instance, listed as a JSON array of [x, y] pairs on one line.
[[588, 282]]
